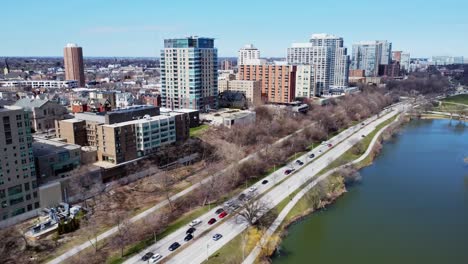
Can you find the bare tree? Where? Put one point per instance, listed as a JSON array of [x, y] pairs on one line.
[[252, 210], [122, 237]]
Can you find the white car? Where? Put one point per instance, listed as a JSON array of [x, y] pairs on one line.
[[195, 222], [252, 189], [155, 258]]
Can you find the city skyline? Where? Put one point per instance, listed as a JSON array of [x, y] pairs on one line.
[[109, 29]]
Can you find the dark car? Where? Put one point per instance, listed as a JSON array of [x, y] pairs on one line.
[[299, 162], [147, 256], [288, 171], [220, 210], [363, 136], [329, 145], [216, 237], [312, 156], [241, 196], [174, 246], [212, 221], [222, 215], [188, 237], [264, 181], [190, 230], [363, 124]]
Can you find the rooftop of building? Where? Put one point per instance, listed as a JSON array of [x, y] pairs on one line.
[[227, 113], [43, 146], [5, 108], [145, 119], [181, 110], [72, 120], [28, 103]]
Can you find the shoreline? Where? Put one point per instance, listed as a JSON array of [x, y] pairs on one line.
[[332, 197]]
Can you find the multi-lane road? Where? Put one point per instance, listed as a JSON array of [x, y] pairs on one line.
[[198, 249]]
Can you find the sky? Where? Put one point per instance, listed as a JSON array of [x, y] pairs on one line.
[[137, 28]]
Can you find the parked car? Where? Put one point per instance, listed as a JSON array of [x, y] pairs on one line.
[[195, 222], [312, 156], [155, 258], [147, 256], [190, 230], [222, 215], [252, 189], [212, 221], [188, 237], [216, 237], [220, 210], [174, 246], [264, 181]]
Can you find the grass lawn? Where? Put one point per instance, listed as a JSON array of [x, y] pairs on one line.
[[460, 99], [197, 131]]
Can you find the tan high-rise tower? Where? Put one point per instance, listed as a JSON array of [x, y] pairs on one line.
[[73, 61]]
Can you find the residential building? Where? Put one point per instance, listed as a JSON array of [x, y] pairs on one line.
[[72, 130], [226, 65], [405, 62], [278, 81], [367, 56], [248, 55], [305, 85], [43, 113], [391, 70], [251, 89], [18, 185], [110, 96], [73, 62], [54, 159], [189, 75], [386, 56], [328, 58], [396, 55], [124, 99]]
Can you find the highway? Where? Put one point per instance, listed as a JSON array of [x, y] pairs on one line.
[[197, 250]]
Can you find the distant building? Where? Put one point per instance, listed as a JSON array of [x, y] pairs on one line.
[[189, 75], [248, 55], [226, 65], [405, 62], [43, 113], [251, 89], [73, 61], [40, 84], [390, 70], [72, 130], [278, 81], [327, 56], [18, 184], [357, 73], [396, 55], [368, 55]]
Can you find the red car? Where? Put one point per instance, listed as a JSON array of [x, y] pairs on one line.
[[223, 214], [212, 221], [329, 145]]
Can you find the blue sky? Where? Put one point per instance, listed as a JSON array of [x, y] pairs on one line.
[[138, 27]]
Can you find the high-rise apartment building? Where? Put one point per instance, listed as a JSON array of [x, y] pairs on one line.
[[396, 55], [278, 81], [405, 62], [386, 57], [248, 55], [366, 56], [73, 61], [18, 186], [189, 73], [328, 58]]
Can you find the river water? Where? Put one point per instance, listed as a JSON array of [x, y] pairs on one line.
[[410, 207]]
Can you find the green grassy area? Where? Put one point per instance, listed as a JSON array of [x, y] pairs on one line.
[[460, 99], [197, 131], [139, 246]]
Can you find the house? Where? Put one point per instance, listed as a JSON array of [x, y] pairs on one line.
[[43, 113]]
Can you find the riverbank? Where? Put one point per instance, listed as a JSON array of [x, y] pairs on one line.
[[333, 187]]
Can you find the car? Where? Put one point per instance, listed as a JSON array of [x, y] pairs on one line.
[[329, 145], [190, 230], [212, 221], [222, 215], [228, 203], [288, 171], [195, 222], [147, 256], [241, 196], [174, 246], [311, 156], [155, 258], [188, 237], [264, 181], [363, 124], [363, 135], [216, 237], [220, 210], [299, 162], [252, 189]]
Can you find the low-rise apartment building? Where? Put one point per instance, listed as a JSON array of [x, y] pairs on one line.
[[43, 113], [251, 89]]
